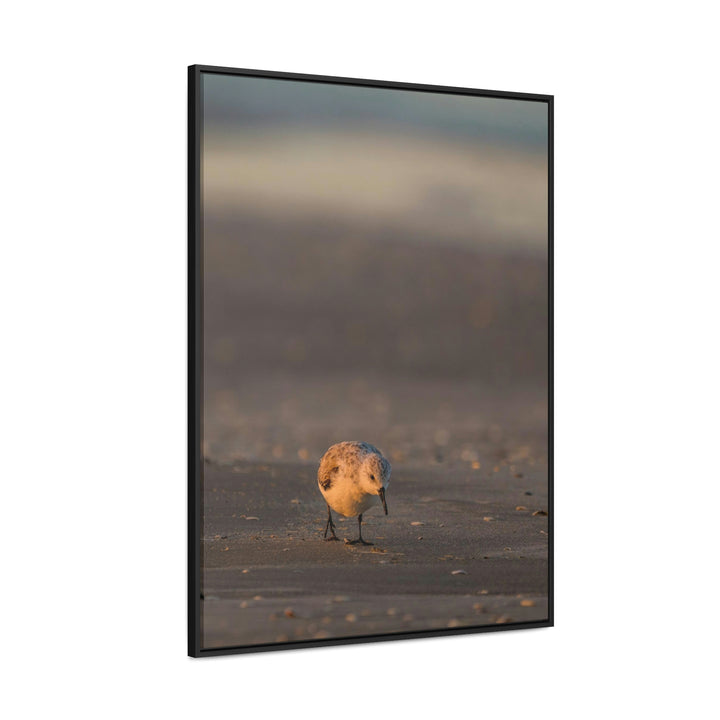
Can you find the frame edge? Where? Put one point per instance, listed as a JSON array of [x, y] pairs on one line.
[[194, 387], [194, 294]]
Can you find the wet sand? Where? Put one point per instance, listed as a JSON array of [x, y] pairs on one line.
[[464, 545]]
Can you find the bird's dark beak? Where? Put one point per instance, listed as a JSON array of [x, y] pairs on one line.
[[381, 493]]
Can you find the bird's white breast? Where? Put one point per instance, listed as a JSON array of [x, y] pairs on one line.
[[347, 499]]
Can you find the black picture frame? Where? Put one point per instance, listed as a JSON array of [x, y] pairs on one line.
[[195, 360]]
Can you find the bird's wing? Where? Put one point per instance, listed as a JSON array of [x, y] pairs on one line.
[[326, 476]]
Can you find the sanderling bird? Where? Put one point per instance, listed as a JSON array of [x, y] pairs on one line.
[[352, 477]]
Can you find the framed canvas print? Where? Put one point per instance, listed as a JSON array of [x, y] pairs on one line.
[[370, 360]]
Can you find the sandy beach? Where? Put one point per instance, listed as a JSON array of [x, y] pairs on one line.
[[461, 547]]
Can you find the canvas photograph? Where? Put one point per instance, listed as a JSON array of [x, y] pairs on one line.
[[370, 361]]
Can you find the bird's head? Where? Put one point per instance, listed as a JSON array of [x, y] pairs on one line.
[[375, 477]]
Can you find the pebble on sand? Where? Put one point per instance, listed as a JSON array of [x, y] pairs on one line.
[[527, 603], [459, 572], [540, 512]]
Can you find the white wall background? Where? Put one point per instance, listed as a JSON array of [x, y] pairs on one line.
[[93, 367]]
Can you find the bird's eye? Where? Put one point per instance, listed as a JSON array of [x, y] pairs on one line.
[[372, 477]]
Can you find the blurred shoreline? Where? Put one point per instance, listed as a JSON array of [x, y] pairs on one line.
[[422, 350], [419, 422]]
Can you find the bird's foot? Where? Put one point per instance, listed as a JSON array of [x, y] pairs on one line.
[[359, 541], [331, 538]]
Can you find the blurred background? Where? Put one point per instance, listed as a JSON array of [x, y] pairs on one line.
[[375, 268]]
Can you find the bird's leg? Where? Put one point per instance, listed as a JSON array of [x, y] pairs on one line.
[[330, 526], [360, 540]]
